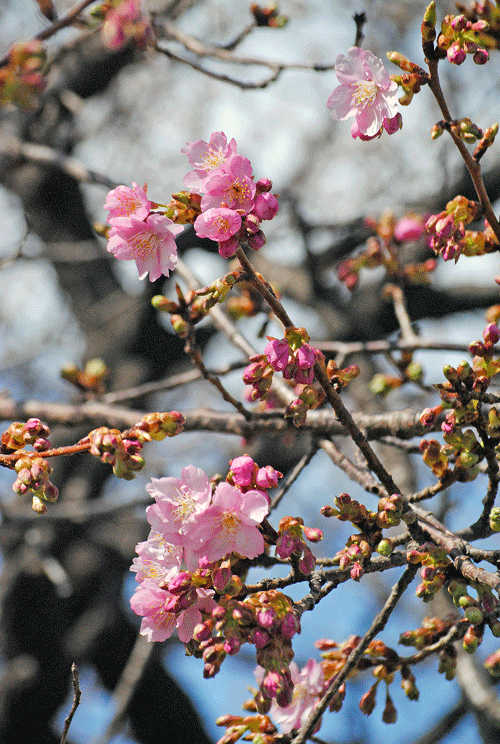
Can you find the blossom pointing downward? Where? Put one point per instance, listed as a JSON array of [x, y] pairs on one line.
[[367, 92]]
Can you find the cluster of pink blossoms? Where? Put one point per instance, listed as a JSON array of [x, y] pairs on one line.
[[139, 234], [233, 205], [366, 92], [192, 531]]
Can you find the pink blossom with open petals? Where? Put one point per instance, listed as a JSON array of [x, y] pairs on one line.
[[365, 91], [207, 158], [179, 501], [150, 243], [124, 201], [155, 558], [308, 686], [231, 187], [149, 602], [152, 602], [218, 224], [230, 524]]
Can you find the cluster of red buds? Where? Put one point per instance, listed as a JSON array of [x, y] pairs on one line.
[[246, 474], [359, 547], [33, 475], [266, 620], [484, 10], [21, 79], [461, 397], [435, 564], [20, 434], [295, 358], [122, 450], [431, 632], [460, 37], [156, 426], [32, 471], [291, 543], [449, 236], [478, 612], [385, 663], [112, 449]]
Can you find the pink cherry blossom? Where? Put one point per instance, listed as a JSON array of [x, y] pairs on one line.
[[365, 91], [155, 558], [230, 524], [178, 503], [149, 602], [218, 224], [231, 187], [125, 201], [207, 158], [150, 243], [158, 623], [308, 687]]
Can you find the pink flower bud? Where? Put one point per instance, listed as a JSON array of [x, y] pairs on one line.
[[263, 184], [278, 353], [267, 477], [266, 206], [456, 54], [408, 229], [228, 248], [305, 356], [243, 469], [257, 240]]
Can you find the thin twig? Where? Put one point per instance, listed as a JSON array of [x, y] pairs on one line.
[[76, 701]]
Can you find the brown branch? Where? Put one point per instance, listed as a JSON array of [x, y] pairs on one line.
[[473, 166], [194, 45]]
